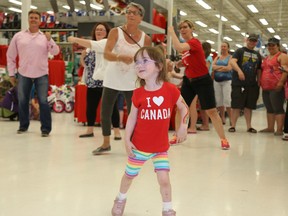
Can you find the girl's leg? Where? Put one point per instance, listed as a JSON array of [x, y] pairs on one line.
[[165, 186], [120, 201]]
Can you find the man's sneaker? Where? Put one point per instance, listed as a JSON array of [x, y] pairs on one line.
[[285, 136], [45, 134], [171, 212], [118, 207], [225, 144], [22, 130]]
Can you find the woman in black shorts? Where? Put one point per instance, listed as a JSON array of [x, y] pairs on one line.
[[197, 80]]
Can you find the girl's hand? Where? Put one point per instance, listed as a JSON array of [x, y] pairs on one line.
[[129, 146], [181, 133]]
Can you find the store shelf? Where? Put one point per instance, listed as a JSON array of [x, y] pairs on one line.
[[117, 20]]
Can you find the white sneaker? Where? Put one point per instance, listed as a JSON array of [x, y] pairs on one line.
[[285, 136]]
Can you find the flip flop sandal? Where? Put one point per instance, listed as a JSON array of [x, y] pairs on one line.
[[202, 129], [232, 129], [251, 130]]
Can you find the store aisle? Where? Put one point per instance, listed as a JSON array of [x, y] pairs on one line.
[[58, 175]]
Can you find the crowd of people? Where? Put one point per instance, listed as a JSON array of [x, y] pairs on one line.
[[123, 61]]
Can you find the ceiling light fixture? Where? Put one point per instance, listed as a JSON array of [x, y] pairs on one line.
[[232, 50], [66, 7], [222, 18], [96, 7], [203, 4], [201, 24], [236, 28], [20, 3], [271, 30], [277, 37], [100, 7], [182, 13], [50, 12], [244, 34], [252, 8], [211, 42], [195, 35], [239, 45], [263, 21], [213, 31], [227, 38], [15, 9], [284, 45]]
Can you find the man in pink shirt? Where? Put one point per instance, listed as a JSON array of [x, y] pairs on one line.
[[32, 46]]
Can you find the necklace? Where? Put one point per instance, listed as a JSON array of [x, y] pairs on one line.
[[130, 34]]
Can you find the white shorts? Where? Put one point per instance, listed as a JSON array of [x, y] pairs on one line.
[[223, 93]]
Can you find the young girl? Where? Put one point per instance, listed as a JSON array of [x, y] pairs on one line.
[[147, 126]]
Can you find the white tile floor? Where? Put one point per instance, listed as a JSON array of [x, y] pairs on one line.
[[58, 176]]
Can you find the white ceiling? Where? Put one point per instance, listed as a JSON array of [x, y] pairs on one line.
[[236, 11]]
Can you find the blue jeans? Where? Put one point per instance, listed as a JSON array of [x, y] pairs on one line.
[[24, 90]]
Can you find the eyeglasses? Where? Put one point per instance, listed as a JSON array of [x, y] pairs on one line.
[[135, 13], [143, 62], [253, 40], [100, 30], [183, 27]]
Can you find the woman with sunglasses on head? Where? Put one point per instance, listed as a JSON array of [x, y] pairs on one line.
[[197, 80], [122, 44], [272, 81], [93, 59]]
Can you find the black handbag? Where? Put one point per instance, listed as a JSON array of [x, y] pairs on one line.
[[222, 76]]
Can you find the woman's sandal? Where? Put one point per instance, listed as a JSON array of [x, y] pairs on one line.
[[232, 129], [251, 130]]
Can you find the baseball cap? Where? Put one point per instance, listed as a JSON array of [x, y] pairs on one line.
[[253, 37], [273, 41]]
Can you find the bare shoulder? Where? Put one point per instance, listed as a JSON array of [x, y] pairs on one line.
[[147, 40], [113, 32]]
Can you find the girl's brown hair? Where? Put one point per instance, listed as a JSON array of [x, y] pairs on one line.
[[157, 55]]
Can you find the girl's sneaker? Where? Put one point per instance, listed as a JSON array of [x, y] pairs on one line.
[[171, 212], [118, 207]]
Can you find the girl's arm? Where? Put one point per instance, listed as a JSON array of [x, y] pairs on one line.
[[130, 125], [83, 42], [183, 109]]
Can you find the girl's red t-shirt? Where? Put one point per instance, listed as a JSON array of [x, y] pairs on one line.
[[154, 111]]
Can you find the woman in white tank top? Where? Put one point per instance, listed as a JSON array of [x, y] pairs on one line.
[[120, 74]]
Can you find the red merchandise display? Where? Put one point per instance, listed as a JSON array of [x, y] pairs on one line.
[[80, 105], [160, 21], [3, 58], [56, 72]]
